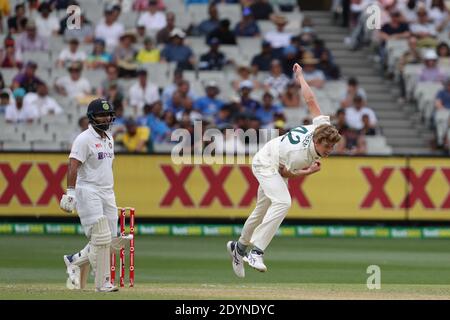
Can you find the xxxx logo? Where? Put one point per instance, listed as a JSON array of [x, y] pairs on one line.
[[416, 183], [216, 190], [15, 178]]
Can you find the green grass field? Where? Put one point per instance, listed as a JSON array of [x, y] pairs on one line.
[[31, 267]]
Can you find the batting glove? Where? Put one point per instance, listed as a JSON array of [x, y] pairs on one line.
[[68, 201]]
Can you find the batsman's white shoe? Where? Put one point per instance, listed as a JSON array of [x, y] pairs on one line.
[[107, 287], [255, 261], [73, 281], [236, 259]]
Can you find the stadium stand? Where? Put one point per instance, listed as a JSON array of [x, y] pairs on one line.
[[56, 132]]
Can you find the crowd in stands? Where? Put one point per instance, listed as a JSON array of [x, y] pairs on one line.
[[146, 112], [413, 49]]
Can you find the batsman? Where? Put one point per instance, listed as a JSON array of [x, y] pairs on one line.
[[294, 154], [90, 193]]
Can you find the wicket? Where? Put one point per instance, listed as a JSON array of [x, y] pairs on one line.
[[122, 218]]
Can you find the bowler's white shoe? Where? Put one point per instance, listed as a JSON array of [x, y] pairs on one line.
[[236, 259], [73, 281], [255, 261], [107, 287]]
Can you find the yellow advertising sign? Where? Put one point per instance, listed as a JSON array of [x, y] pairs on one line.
[[362, 188]]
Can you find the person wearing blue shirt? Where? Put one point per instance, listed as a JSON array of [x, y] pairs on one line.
[[209, 105], [177, 51], [247, 27], [266, 113], [250, 105]]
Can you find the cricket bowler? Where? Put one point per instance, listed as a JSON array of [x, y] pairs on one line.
[[294, 154], [90, 192]]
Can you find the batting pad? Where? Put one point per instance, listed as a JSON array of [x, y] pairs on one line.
[[99, 255]]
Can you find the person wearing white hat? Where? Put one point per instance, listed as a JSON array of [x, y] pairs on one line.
[[431, 71], [177, 51]]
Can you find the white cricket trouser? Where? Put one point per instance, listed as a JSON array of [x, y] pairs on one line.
[[272, 205], [92, 204]]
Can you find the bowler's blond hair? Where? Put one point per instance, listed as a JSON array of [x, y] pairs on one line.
[[327, 133]]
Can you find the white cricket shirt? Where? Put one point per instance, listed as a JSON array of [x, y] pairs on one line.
[[295, 149], [96, 155]]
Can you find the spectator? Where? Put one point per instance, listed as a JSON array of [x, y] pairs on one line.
[[224, 115], [30, 41], [351, 143], [177, 51], [142, 92], [47, 24], [247, 27], [431, 71], [277, 80], [112, 76], [442, 113], [143, 119], [16, 23], [5, 101], [10, 57], [153, 19], [181, 98], [209, 105], [261, 61], [142, 5], [163, 35], [353, 114], [125, 55], [73, 85], [135, 138], [41, 102], [395, 29], [223, 33], [438, 12], [340, 121], [290, 98], [423, 29], [330, 70], [160, 130], [114, 95], [149, 53], [250, 105], [18, 112], [188, 115], [27, 79], [268, 109], [141, 33], [71, 54], [443, 52], [109, 29], [213, 59], [261, 9], [291, 55], [85, 34], [353, 89], [314, 77], [244, 74], [412, 56], [212, 23], [99, 58], [171, 88], [278, 38], [368, 129], [307, 37]]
